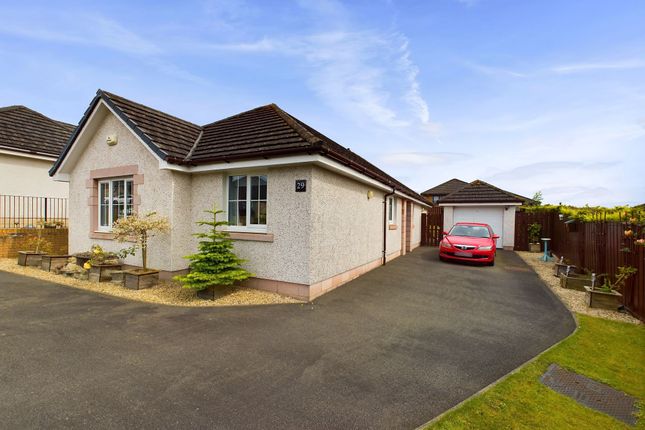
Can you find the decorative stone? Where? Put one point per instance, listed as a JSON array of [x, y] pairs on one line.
[[53, 263], [103, 272], [611, 300], [138, 279], [30, 258]]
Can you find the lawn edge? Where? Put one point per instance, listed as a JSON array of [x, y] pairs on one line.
[[518, 368]]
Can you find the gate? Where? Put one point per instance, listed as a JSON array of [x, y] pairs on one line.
[[432, 226]]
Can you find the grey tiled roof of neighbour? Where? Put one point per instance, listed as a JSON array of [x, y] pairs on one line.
[[27, 131], [446, 188], [481, 192], [263, 132]]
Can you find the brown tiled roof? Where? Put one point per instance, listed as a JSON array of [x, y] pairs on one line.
[[173, 136], [25, 130], [446, 188], [262, 132], [481, 192]]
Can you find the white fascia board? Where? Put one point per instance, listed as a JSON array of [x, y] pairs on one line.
[[60, 172], [61, 177], [316, 159], [480, 204], [405, 196], [27, 155]]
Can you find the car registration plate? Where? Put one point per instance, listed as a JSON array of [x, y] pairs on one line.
[[463, 254]]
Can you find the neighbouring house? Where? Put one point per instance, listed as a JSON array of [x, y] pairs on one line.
[[435, 193], [30, 142], [306, 213], [479, 201]]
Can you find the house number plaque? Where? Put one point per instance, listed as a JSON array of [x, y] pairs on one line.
[[301, 185]]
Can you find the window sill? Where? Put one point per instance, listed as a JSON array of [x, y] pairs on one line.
[[392, 227], [101, 235], [257, 237]]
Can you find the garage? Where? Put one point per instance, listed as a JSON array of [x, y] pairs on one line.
[[482, 202], [493, 216]]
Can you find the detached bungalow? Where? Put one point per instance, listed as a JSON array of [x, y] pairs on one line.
[[306, 213], [30, 142]]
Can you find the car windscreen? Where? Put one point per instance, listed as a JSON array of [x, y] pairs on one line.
[[469, 231]]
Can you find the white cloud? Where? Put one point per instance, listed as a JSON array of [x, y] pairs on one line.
[[590, 67]]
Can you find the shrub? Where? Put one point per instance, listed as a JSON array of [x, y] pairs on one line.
[[139, 229], [215, 264], [534, 231]]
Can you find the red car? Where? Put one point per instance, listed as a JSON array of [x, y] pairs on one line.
[[469, 241]]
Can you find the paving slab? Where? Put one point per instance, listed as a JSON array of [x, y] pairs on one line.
[[591, 393]]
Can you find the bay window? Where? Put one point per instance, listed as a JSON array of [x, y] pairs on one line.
[[247, 201], [115, 201]]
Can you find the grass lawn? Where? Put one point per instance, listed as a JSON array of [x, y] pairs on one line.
[[607, 351]]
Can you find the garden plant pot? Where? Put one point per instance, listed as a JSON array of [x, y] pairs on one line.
[[81, 260], [117, 277], [53, 263], [560, 269], [575, 281], [138, 279], [30, 258], [534, 247], [103, 272], [600, 299], [212, 293]]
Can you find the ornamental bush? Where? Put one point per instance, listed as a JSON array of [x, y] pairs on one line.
[[139, 229], [215, 264]]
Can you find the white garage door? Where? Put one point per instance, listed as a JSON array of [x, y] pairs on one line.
[[493, 216]]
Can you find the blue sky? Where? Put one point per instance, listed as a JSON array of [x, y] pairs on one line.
[[528, 95]]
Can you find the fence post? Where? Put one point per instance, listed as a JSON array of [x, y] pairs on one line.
[[45, 209]]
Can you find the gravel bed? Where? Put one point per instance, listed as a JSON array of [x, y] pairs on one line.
[[167, 292], [574, 300]]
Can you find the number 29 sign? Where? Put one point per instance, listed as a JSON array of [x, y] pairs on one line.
[[301, 185]]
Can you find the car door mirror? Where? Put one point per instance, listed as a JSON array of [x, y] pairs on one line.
[[445, 233], [495, 236]]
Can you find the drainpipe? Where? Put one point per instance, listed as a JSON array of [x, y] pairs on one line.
[[385, 224]]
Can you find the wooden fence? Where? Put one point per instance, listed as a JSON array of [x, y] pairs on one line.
[[432, 226], [29, 211], [598, 247]]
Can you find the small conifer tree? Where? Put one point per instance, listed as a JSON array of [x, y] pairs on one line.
[[215, 264]]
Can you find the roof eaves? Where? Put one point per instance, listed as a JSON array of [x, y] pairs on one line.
[[74, 135]]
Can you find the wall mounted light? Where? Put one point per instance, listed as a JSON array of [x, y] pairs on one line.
[[370, 194], [112, 140]]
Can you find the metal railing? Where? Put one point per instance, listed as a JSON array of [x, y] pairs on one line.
[[31, 211]]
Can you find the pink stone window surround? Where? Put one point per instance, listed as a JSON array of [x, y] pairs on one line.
[[92, 184]]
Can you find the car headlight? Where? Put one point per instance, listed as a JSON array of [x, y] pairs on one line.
[[485, 248], [445, 244]]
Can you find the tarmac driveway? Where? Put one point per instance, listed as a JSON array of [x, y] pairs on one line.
[[391, 349]]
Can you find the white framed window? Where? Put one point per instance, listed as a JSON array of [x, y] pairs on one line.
[[391, 210], [247, 202], [115, 201]]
